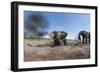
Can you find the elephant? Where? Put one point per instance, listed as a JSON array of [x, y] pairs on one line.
[[84, 36], [58, 38]]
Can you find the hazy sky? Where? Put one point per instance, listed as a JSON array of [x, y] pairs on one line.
[[71, 23]]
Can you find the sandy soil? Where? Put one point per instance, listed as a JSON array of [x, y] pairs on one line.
[[40, 50]]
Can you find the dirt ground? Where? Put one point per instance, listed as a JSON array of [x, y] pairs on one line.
[[40, 50]]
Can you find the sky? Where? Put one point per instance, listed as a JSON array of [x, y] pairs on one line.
[[71, 23]]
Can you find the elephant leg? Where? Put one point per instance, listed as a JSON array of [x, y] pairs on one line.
[[57, 42], [86, 40], [53, 43], [83, 40], [65, 42], [89, 40]]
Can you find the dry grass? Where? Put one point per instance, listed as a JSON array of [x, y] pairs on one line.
[[40, 50]]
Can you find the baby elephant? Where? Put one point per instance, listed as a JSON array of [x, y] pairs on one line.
[[58, 38]]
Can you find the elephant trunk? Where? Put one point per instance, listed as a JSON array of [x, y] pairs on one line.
[[79, 37]]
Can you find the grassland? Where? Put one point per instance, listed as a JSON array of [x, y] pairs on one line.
[[40, 50]]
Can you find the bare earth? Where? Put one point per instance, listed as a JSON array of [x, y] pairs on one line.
[[40, 50]]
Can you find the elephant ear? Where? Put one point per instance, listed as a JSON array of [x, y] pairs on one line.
[[64, 33], [51, 35]]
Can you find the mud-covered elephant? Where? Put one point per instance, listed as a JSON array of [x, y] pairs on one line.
[[58, 38]]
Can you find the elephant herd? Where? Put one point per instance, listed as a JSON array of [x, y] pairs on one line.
[[59, 37]]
